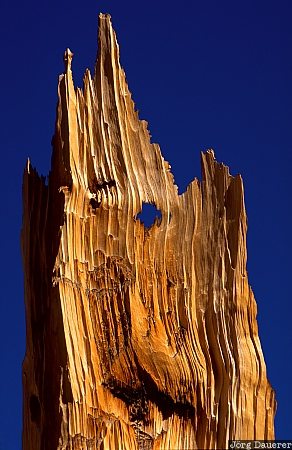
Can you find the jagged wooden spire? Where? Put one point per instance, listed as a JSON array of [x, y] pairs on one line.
[[137, 338]]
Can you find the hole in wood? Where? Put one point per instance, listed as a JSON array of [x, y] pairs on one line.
[[94, 203], [149, 215]]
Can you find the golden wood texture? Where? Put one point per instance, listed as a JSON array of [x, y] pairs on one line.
[[137, 338]]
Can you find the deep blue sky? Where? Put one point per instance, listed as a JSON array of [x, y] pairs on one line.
[[203, 74]]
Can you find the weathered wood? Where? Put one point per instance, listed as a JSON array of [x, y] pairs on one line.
[[137, 338]]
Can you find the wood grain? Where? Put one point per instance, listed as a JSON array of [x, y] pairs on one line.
[[137, 338]]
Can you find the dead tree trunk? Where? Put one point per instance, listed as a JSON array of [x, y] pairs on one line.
[[137, 338]]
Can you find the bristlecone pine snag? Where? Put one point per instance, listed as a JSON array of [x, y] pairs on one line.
[[137, 337]]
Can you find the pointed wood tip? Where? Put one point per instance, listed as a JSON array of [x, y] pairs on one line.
[[28, 166], [104, 24], [68, 56], [104, 16]]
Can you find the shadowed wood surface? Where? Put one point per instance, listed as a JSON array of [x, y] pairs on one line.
[[137, 337]]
